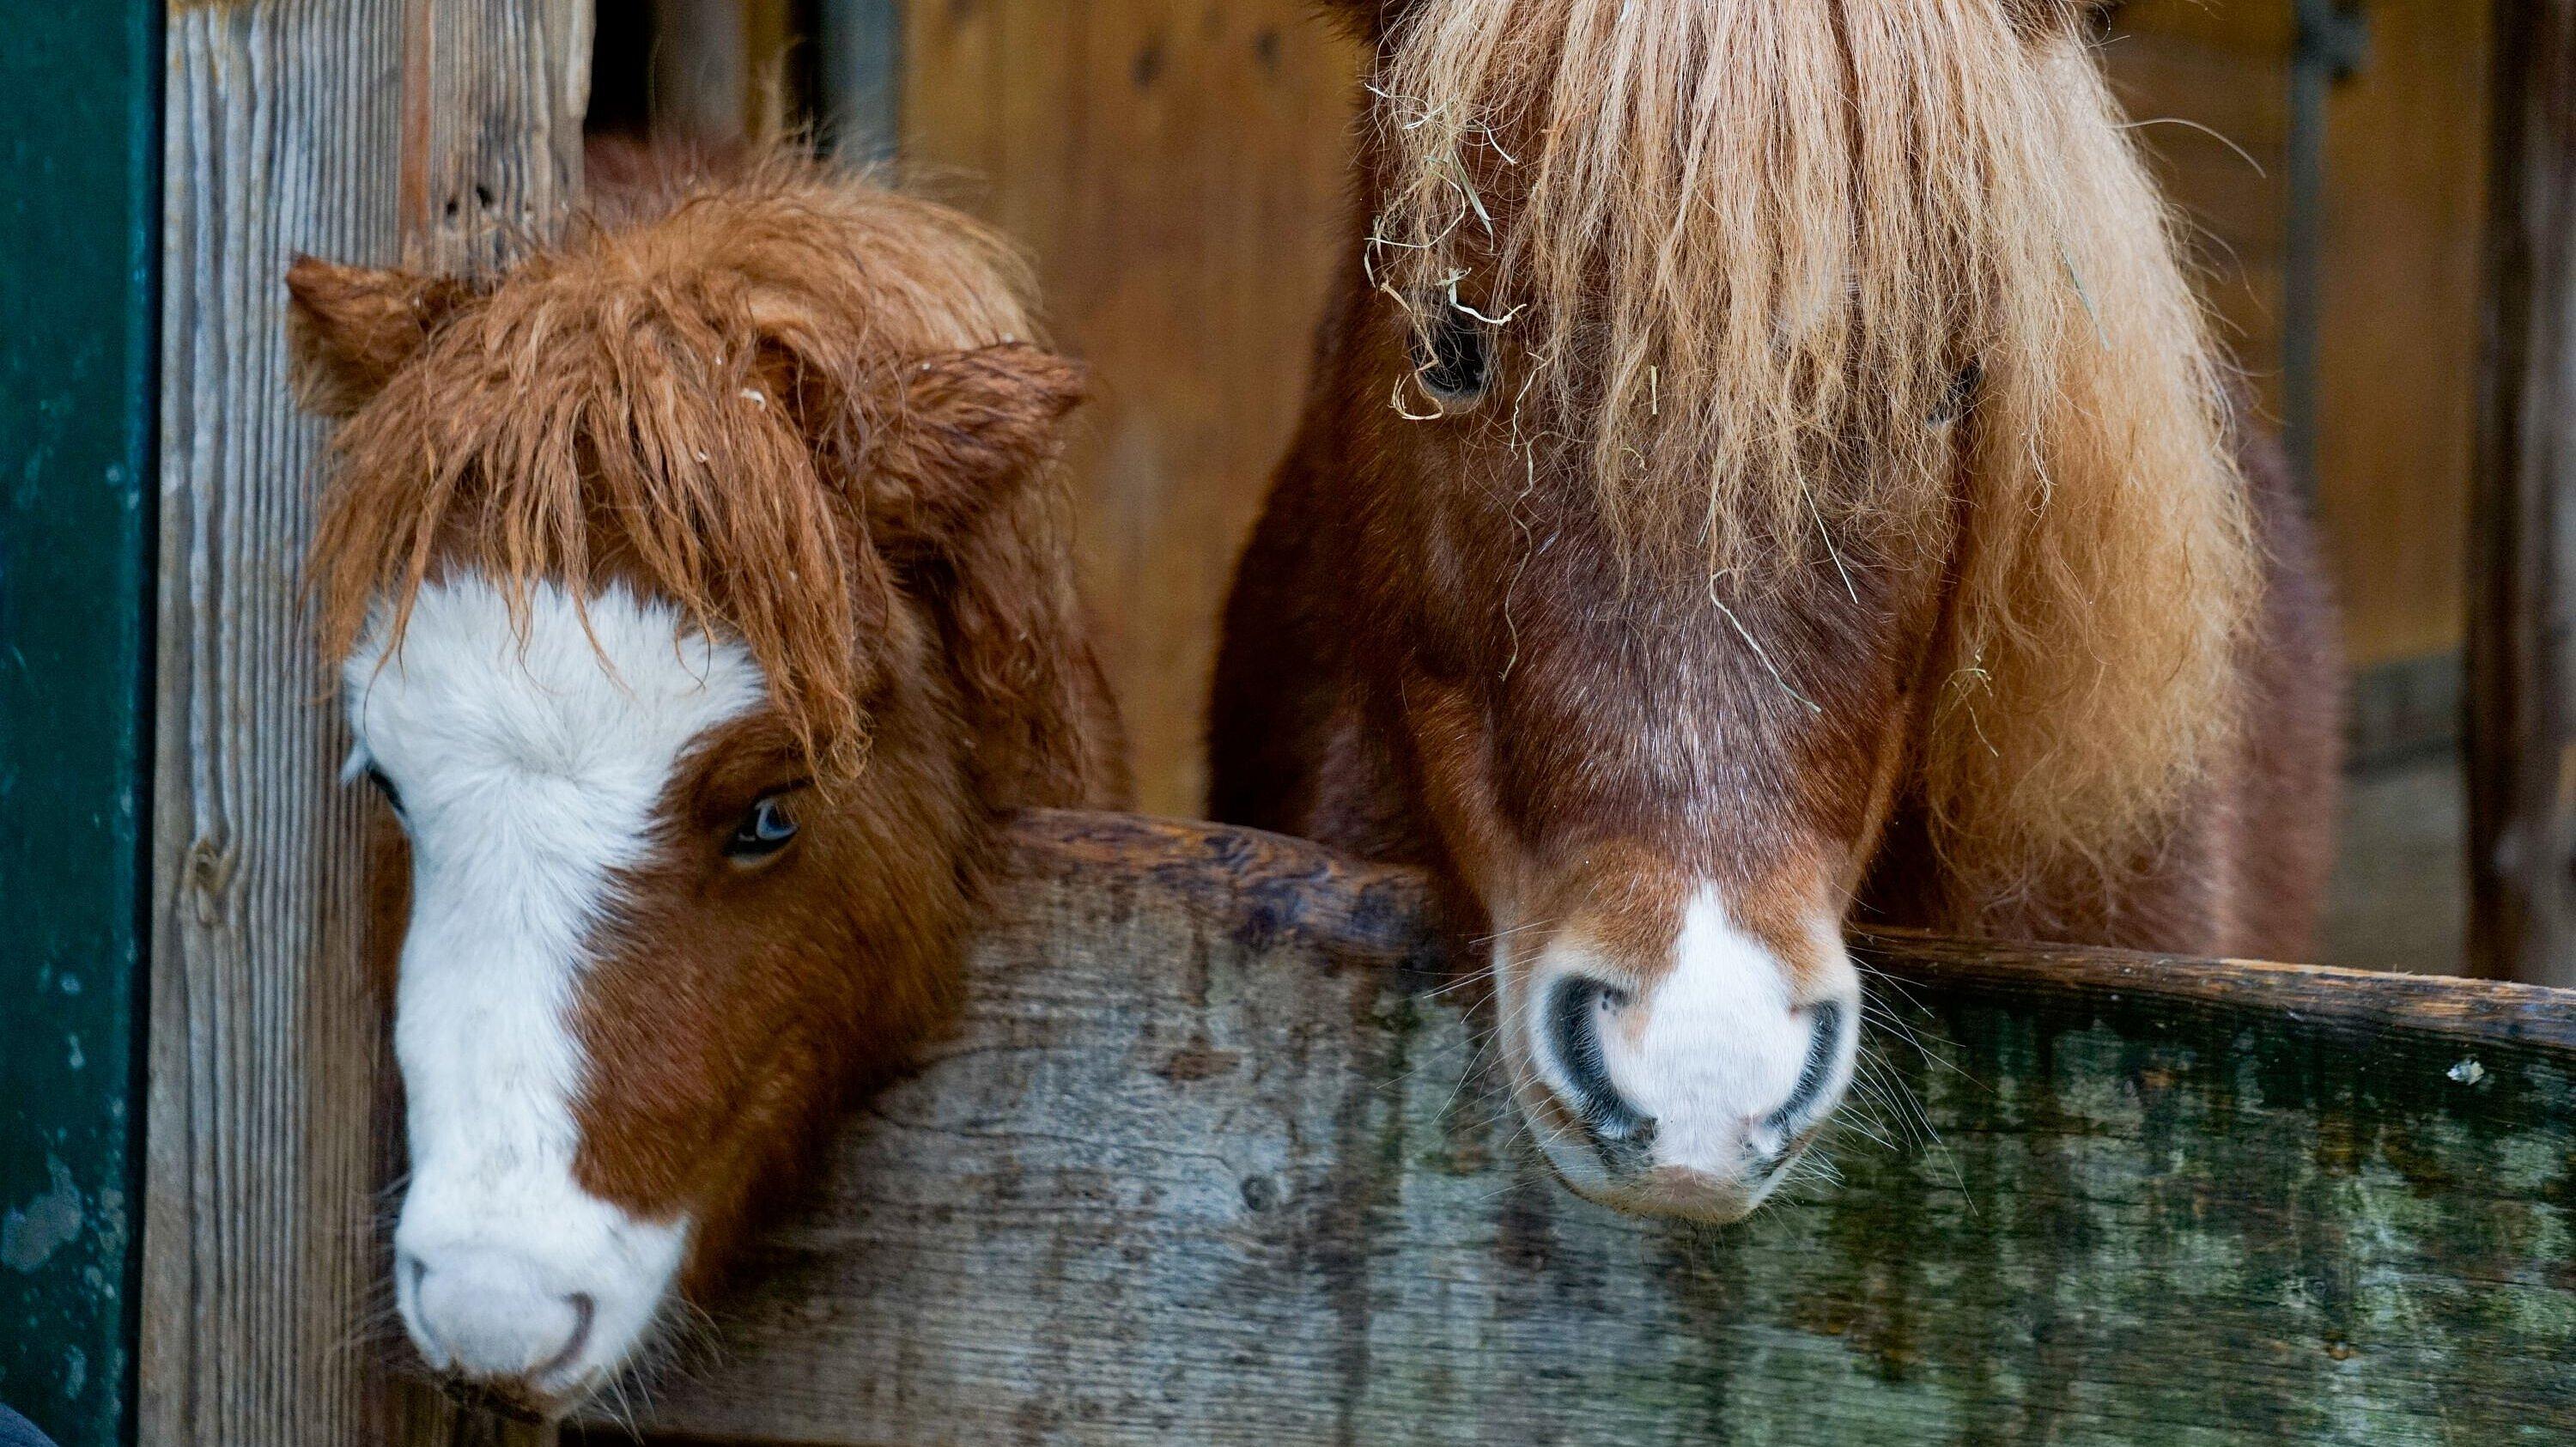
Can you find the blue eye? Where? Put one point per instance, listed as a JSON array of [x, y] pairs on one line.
[[763, 832]]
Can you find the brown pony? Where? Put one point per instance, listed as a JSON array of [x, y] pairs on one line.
[[704, 599], [1765, 467]]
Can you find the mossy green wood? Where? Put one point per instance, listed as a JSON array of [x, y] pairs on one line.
[[1215, 1159], [80, 88]]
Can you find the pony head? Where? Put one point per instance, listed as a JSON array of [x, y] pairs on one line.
[[701, 595], [1815, 443]]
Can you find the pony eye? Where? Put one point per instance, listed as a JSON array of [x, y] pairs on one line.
[[1451, 358], [763, 832], [1963, 394], [385, 786]]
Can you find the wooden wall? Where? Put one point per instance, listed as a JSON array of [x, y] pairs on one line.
[[1178, 168], [2208, 83], [2406, 166]]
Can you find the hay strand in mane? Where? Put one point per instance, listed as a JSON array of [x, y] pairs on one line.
[[1749, 246]]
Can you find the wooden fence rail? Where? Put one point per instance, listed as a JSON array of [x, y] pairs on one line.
[[1215, 1160]]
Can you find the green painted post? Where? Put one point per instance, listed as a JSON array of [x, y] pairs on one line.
[[80, 145]]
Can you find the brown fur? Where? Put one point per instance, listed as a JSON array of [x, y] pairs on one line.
[[815, 414], [1719, 571]]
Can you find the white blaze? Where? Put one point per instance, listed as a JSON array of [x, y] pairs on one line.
[[529, 765]]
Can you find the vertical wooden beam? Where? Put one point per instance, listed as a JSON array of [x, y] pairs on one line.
[[702, 69], [778, 49], [859, 69], [725, 70], [80, 89], [2333, 42], [442, 131], [2522, 626]]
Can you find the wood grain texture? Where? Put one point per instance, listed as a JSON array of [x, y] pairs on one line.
[[2397, 353], [447, 131], [1179, 170], [2522, 674], [1215, 1159], [2208, 86]]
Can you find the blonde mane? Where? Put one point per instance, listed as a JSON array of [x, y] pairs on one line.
[[1740, 253], [698, 380]]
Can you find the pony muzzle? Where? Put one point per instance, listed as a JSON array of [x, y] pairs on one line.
[[536, 1318], [1690, 1095]]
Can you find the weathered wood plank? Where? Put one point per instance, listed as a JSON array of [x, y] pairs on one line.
[[447, 130], [859, 74], [1215, 1160], [2522, 618]]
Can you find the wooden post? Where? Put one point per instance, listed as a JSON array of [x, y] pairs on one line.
[[2522, 623], [725, 71], [441, 131], [702, 69], [860, 75]]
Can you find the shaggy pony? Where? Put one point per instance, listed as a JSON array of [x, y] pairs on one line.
[[1765, 468], [704, 591]]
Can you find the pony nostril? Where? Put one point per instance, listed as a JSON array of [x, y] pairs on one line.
[[1824, 1047], [585, 1308], [412, 1269], [1574, 1023]]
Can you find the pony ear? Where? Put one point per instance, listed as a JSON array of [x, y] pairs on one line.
[[961, 487], [350, 328], [963, 430]]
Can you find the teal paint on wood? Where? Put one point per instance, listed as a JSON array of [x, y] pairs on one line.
[[79, 241]]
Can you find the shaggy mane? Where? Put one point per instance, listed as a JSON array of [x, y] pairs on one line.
[[688, 392], [1738, 255]]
